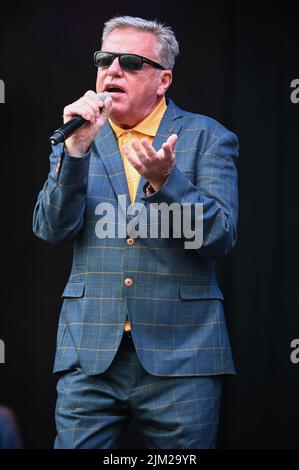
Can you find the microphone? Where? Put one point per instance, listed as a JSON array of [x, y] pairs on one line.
[[67, 129]]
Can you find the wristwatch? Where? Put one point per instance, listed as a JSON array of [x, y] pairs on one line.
[[149, 190]]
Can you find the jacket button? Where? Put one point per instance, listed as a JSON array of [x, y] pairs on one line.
[[128, 282], [130, 241]]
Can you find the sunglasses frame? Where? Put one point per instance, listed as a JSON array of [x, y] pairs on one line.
[[145, 60]]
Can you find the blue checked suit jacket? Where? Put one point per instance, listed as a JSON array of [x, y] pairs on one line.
[[174, 305]]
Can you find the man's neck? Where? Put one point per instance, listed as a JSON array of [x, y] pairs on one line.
[[130, 125]]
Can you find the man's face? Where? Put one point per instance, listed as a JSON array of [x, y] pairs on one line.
[[138, 91]]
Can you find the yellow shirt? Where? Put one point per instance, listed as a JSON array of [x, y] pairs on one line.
[[145, 129]]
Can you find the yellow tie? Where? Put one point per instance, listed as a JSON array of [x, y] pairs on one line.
[[132, 175]]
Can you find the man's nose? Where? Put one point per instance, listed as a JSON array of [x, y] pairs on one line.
[[115, 68]]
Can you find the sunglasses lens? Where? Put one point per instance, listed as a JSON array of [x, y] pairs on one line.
[[130, 62], [103, 59], [126, 61]]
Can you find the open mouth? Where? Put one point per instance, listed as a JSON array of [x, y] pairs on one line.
[[113, 89]]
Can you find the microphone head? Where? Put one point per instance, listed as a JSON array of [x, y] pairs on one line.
[[103, 96]]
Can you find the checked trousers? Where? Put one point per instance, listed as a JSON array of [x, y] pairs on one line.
[[93, 411]]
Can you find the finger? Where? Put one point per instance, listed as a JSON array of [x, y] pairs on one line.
[[98, 105], [92, 98], [92, 112], [89, 108], [167, 151], [150, 151], [106, 105], [172, 141], [133, 159], [140, 152], [94, 102], [91, 94], [169, 145], [79, 108]]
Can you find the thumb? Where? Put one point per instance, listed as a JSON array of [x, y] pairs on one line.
[[105, 112], [171, 141]]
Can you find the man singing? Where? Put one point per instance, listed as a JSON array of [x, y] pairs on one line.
[[142, 331]]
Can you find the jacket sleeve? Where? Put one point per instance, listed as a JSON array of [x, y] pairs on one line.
[[216, 188], [59, 211]]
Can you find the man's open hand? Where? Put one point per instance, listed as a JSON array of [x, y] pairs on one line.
[[153, 166]]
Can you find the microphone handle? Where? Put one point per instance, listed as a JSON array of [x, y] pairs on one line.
[[61, 134]]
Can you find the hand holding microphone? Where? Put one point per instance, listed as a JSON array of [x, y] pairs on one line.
[[82, 121]]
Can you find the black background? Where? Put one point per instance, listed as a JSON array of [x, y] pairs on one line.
[[236, 64]]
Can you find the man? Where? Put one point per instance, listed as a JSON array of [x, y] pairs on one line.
[[142, 330]]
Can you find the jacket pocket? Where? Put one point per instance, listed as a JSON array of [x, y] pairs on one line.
[[74, 289], [200, 291]]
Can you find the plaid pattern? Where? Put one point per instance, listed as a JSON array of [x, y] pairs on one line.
[[93, 412], [175, 305]]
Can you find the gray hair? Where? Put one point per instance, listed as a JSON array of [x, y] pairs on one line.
[[168, 47]]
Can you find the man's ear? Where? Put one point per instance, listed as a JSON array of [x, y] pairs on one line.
[[165, 82]]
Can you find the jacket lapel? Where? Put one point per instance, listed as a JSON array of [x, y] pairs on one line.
[[106, 147]]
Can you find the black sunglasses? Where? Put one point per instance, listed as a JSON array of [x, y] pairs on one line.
[[126, 61]]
